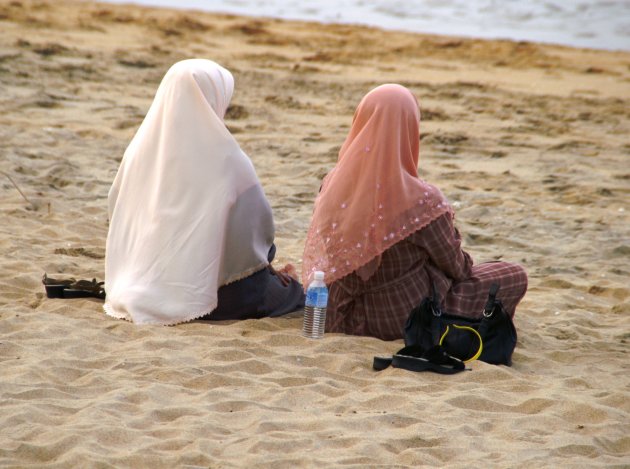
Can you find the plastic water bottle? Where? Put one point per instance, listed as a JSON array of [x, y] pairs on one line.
[[315, 308]]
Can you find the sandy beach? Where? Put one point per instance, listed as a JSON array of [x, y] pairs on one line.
[[530, 143]]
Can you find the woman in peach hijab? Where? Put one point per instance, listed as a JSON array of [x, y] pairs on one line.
[[384, 237]]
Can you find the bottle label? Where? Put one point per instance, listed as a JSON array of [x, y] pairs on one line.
[[317, 297]]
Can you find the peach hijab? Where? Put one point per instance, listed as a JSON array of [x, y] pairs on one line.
[[373, 198]]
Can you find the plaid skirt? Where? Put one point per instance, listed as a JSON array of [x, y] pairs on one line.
[[380, 305]]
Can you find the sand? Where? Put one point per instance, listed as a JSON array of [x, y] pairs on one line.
[[529, 142]]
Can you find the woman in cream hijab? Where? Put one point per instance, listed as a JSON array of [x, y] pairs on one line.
[[191, 232]]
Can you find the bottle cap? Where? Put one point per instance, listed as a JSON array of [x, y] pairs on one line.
[[319, 275]]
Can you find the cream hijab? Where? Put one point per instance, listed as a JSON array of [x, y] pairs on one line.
[[187, 212], [373, 198]]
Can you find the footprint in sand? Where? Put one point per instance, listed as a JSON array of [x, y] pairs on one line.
[[285, 102], [236, 112]]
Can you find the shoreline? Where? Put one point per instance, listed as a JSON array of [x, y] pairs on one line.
[[400, 23], [529, 142]]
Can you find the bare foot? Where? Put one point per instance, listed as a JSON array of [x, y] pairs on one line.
[[290, 270]]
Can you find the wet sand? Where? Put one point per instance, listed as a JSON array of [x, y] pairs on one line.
[[529, 142]]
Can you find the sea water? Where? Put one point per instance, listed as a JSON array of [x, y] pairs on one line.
[[600, 24]]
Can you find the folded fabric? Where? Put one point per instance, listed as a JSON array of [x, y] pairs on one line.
[[415, 358]]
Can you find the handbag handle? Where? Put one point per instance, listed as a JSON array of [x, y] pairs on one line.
[[470, 329], [488, 310]]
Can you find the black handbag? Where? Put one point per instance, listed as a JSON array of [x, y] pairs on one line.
[[491, 339], [443, 343]]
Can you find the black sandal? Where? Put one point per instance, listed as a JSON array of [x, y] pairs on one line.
[[71, 288], [54, 287]]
